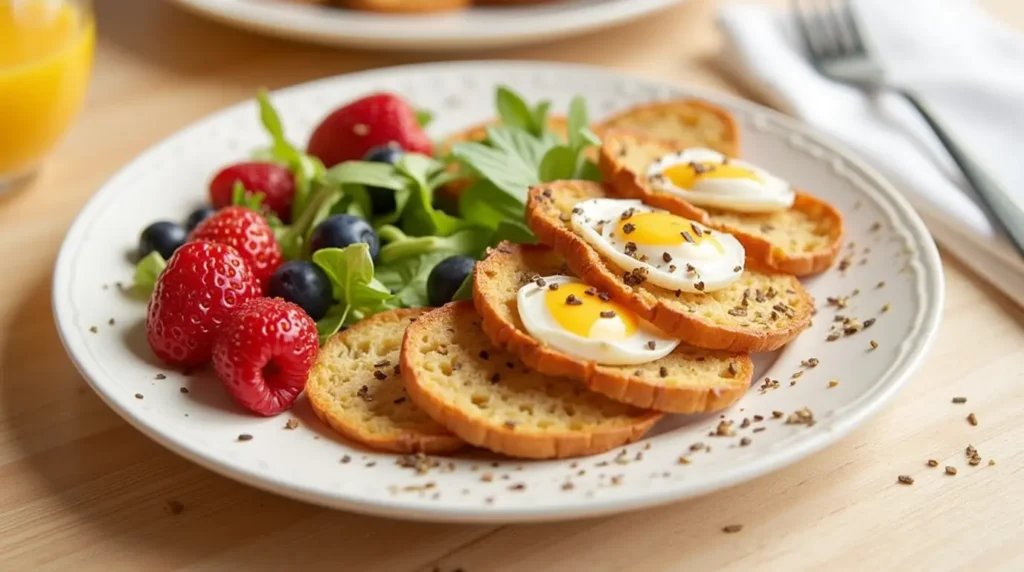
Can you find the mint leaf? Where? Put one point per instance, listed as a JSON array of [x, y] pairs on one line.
[[519, 145], [512, 109], [424, 117], [510, 159], [559, 163], [147, 271]]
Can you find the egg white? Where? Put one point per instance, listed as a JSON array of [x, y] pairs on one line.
[[542, 326], [739, 195], [711, 270]]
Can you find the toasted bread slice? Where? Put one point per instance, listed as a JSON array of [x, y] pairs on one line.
[[759, 312], [685, 122], [804, 239], [405, 6], [346, 390], [490, 399], [689, 380]]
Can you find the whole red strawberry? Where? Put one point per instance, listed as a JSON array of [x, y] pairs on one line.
[[263, 354], [201, 286], [350, 131], [275, 182], [247, 232]]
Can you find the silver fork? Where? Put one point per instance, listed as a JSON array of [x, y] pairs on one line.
[[833, 39]]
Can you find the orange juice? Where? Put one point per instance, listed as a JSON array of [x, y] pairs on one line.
[[45, 56]]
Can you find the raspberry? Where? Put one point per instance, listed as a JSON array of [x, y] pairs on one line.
[[263, 354]]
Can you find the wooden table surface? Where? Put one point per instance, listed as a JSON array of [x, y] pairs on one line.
[[80, 489]]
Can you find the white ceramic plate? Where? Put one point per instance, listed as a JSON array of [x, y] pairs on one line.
[[476, 27], [168, 181]]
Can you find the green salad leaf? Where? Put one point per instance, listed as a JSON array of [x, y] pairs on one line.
[[407, 277], [147, 271], [357, 292], [306, 168], [465, 291]]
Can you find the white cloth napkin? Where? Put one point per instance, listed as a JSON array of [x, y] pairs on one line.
[[967, 67]]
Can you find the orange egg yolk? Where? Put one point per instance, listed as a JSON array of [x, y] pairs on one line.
[[663, 229], [686, 175], [585, 318]]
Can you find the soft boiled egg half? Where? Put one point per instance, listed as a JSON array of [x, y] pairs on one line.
[[707, 178], [664, 249], [575, 318]]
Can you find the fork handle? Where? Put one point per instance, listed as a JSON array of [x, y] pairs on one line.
[[997, 202]]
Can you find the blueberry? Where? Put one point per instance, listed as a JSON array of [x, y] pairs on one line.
[[339, 231], [163, 237], [198, 216], [303, 283], [382, 200], [446, 278]]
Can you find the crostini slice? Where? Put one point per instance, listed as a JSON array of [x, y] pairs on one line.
[[685, 122], [758, 312], [688, 380], [356, 388], [802, 240], [490, 399]]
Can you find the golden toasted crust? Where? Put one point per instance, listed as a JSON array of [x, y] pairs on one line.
[[759, 312], [686, 122], [689, 380], [487, 397], [802, 240], [380, 416], [405, 6]]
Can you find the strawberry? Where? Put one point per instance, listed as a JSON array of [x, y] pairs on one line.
[[275, 182], [200, 287], [247, 232], [381, 119], [263, 354]]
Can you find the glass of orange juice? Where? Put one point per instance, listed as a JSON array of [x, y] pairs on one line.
[[46, 49]]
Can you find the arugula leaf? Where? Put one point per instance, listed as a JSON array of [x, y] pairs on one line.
[[366, 173], [353, 285], [419, 217], [558, 163], [147, 271], [486, 205], [513, 231], [589, 172], [305, 168], [468, 242], [580, 135], [512, 109], [510, 160], [407, 277]]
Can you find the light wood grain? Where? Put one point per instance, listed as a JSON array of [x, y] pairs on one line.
[[80, 489]]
